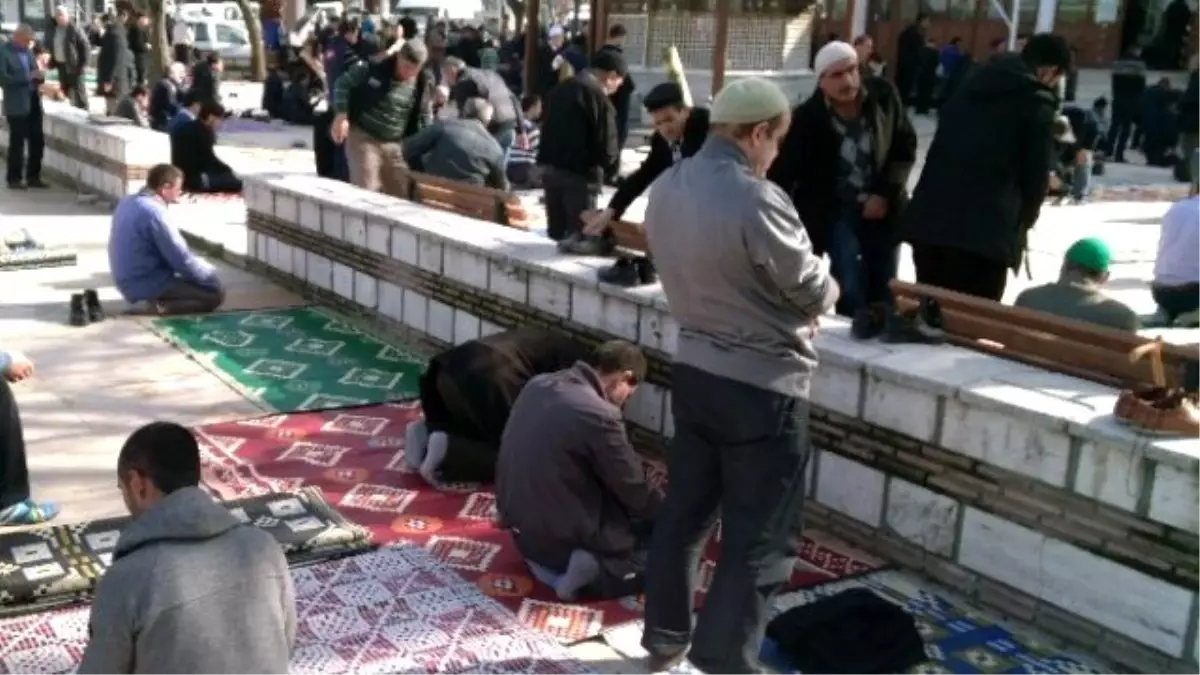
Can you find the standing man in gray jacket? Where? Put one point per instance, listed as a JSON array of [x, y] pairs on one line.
[[743, 283], [191, 588], [69, 52]]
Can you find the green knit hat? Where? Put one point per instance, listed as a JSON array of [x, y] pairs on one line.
[[1091, 254]]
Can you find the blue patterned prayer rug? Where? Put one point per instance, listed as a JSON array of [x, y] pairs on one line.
[[958, 637]]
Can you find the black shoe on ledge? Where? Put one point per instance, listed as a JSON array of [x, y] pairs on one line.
[[78, 311], [16, 186], [37, 184], [621, 273], [91, 302]]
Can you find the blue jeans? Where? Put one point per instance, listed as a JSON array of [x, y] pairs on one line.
[[740, 452], [863, 257], [1081, 178]]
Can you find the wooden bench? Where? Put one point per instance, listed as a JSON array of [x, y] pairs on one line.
[[1044, 340], [488, 204]]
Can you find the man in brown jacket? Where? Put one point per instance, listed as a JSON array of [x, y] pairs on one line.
[[569, 485]]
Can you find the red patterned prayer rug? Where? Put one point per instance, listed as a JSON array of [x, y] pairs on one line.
[[389, 611], [356, 457]]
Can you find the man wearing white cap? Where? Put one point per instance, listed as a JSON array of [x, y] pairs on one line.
[[69, 52], [747, 290], [845, 162]]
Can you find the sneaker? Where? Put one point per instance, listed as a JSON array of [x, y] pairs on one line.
[[1159, 411], [577, 244], [868, 322], [623, 272], [924, 327], [91, 302], [78, 310]]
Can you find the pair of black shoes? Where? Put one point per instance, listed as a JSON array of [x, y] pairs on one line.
[[85, 308], [924, 326], [629, 271], [36, 183]]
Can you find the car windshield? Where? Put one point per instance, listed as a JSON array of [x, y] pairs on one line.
[[201, 31], [227, 34]]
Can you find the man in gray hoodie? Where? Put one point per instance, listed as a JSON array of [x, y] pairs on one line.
[[191, 589], [743, 283]]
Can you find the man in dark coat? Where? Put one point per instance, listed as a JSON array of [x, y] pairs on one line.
[[466, 83], [167, 96], [623, 97], [69, 53], [206, 79], [910, 48], [845, 162], [679, 132], [1128, 85], [466, 394], [987, 172], [114, 65], [194, 152]]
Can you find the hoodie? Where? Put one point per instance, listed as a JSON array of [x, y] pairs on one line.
[[192, 589], [988, 167]]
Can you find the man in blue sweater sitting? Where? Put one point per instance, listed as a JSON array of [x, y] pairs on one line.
[[150, 261], [16, 507]]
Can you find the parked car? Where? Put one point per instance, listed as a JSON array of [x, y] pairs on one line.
[[227, 38]]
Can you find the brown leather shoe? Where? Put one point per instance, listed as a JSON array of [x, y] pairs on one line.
[[1160, 411]]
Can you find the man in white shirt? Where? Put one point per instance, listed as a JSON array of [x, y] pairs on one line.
[[1176, 286]]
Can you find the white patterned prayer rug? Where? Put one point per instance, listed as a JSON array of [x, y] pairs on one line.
[[395, 610]]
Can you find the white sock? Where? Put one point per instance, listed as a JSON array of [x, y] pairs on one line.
[[582, 569], [416, 437], [435, 454]]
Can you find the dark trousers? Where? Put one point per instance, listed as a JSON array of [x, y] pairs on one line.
[[1118, 134], [740, 451], [14, 475], [863, 258], [183, 54], [185, 297], [215, 182], [140, 60], [567, 197], [330, 157], [26, 145], [957, 270], [1176, 300], [74, 88]]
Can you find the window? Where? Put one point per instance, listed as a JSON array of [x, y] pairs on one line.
[[230, 36], [1073, 11], [201, 31], [232, 14]]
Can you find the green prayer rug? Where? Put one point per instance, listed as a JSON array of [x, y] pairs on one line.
[[297, 358]]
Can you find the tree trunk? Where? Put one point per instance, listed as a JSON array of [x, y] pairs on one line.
[[258, 48], [160, 42]]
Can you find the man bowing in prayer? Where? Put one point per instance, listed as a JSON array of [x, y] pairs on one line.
[[467, 392]]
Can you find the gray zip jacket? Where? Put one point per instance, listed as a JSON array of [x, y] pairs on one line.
[[738, 270], [192, 590]]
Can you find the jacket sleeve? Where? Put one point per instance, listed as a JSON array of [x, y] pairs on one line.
[[82, 46], [1036, 158], [419, 144], [779, 248], [610, 146], [110, 628], [892, 182], [497, 177], [347, 82], [6, 73], [618, 467], [635, 184]]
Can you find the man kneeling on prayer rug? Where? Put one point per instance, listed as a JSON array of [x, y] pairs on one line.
[[569, 485], [148, 257], [191, 588], [466, 394]]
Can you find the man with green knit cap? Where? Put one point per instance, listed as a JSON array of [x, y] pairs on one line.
[[1078, 294]]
